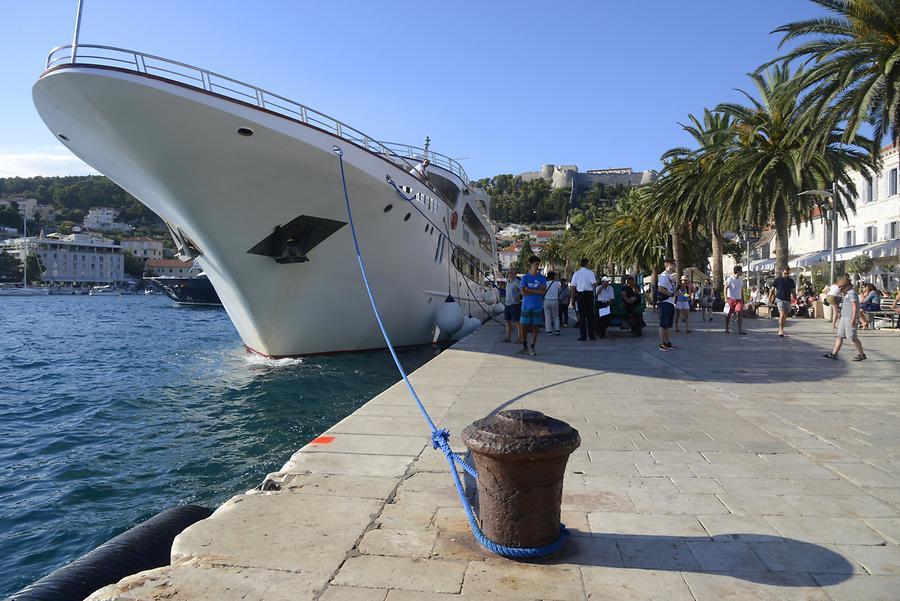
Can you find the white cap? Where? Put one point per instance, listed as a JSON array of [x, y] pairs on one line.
[[605, 279]]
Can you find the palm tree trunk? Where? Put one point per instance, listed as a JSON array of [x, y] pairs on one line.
[[717, 276], [781, 238], [677, 251]]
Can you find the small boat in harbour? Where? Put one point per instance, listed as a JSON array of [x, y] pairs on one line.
[[108, 290], [24, 289]]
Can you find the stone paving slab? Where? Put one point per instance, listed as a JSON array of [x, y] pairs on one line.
[[737, 468]]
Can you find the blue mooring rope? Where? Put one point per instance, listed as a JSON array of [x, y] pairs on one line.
[[440, 438]]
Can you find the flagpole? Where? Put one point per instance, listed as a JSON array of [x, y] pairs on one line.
[[77, 30]]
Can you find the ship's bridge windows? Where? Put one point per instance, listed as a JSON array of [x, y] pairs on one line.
[[449, 190]]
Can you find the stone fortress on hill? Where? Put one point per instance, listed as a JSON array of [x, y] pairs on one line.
[[565, 176]]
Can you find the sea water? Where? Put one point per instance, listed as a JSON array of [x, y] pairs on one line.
[[115, 408]]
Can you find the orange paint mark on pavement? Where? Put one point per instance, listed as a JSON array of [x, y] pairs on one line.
[[323, 440]]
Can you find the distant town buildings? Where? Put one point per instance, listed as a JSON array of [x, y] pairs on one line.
[[30, 208], [76, 258], [511, 235], [104, 220], [170, 268], [143, 247]]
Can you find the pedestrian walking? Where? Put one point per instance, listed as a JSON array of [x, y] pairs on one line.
[[565, 296], [849, 321], [734, 303], [513, 311], [583, 283], [780, 292], [833, 300], [665, 287], [683, 304], [606, 295], [534, 285], [706, 300], [551, 304]]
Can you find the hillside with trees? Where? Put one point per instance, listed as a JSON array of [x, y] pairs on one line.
[[72, 196], [515, 200]]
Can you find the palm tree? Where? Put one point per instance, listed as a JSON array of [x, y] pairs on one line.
[[689, 193], [553, 253], [628, 235], [853, 62], [780, 150]]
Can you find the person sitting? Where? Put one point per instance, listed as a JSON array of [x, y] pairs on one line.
[[756, 300], [871, 304]]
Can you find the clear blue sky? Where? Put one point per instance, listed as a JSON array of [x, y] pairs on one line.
[[511, 85]]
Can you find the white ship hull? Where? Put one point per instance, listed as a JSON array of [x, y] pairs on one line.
[[177, 150]]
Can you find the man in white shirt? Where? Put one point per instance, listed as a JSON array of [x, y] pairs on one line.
[[734, 300], [419, 170], [605, 297], [551, 304], [665, 287], [582, 286]]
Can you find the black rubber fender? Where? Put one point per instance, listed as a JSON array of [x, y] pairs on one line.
[[146, 546]]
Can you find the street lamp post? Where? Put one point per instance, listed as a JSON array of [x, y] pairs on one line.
[[833, 195]]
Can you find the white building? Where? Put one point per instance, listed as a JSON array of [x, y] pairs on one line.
[[76, 258], [104, 220], [873, 229], [27, 206], [143, 247]]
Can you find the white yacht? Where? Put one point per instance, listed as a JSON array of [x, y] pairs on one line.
[[249, 183]]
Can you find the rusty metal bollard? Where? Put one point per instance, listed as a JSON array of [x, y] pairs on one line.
[[521, 458]]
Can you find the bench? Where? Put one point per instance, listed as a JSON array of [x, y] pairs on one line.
[[889, 316]]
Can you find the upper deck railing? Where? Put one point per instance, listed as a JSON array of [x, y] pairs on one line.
[[215, 83]]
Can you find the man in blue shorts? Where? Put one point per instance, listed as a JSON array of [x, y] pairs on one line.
[[534, 285], [666, 291]]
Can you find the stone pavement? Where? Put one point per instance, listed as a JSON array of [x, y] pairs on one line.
[[736, 467]]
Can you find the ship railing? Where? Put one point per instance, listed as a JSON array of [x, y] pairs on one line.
[[435, 158], [209, 81]]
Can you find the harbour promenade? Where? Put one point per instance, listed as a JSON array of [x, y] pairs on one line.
[[732, 468]]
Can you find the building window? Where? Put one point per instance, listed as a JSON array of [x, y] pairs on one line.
[[892, 230], [871, 234], [849, 238], [869, 190], [892, 182]]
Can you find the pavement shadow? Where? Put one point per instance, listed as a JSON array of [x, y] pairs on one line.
[[707, 354], [759, 558]]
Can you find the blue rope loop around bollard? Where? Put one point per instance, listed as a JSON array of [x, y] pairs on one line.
[[440, 438]]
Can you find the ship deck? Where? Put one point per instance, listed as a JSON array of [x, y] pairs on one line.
[[734, 467]]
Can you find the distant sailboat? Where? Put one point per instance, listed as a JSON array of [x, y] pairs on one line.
[[24, 290]]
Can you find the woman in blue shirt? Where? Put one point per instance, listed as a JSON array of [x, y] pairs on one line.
[[871, 303], [534, 285]]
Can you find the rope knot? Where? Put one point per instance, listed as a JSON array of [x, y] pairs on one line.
[[440, 438]]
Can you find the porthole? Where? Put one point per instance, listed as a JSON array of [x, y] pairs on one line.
[[245, 131], [388, 208], [63, 137], [408, 215]]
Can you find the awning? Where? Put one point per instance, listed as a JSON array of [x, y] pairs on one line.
[[848, 252], [694, 275], [762, 265], [887, 248], [813, 258]]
